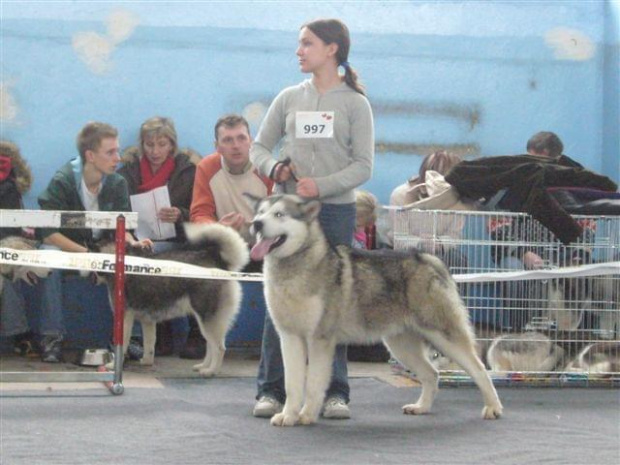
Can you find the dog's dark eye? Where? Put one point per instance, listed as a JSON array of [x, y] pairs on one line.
[[278, 214]]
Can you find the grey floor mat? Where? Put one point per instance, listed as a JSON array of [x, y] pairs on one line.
[[209, 422]]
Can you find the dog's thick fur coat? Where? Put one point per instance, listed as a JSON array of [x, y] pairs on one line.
[[319, 296], [214, 303]]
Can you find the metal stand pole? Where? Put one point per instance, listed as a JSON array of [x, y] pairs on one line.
[[119, 306]]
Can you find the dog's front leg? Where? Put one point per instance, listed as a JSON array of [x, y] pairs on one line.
[[294, 356], [320, 361]]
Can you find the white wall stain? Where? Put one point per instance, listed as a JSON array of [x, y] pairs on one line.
[[570, 44], [120, 25], [254, 113], [96, 50], [8, 105]]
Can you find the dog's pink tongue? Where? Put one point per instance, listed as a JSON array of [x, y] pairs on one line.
[[261, 249]]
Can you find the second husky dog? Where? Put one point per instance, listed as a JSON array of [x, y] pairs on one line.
[[319, 296], [214, 303]]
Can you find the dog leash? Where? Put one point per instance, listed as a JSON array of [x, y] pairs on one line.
[[287, 162]]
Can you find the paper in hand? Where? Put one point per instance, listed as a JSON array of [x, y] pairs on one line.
[[147, 205]]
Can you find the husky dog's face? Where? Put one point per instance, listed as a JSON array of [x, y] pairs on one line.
[[281, 224]]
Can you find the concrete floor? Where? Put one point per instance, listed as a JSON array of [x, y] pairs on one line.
[[238, 363]]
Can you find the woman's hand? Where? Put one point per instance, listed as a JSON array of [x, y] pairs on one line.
[[169, 214], [306, 187], [143, 244]]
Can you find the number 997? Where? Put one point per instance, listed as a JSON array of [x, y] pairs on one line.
[[314, 128]]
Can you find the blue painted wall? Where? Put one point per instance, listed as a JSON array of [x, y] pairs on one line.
[[478, 76]]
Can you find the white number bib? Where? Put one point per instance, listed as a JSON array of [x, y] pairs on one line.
[[314, 124]]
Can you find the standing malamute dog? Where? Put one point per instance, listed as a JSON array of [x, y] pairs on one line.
[[319, 296], [214, 303], [29, 274]]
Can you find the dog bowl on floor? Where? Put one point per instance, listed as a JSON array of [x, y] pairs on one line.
[[96, 357]]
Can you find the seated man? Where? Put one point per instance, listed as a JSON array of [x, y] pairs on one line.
[[86, 183], [224, 176]]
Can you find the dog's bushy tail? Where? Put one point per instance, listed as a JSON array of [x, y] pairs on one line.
[[233, 249]]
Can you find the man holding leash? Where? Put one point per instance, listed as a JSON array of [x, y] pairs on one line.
[[86, 183], [224, 176]]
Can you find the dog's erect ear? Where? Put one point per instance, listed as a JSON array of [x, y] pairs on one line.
[[252, 200], [311, 209]]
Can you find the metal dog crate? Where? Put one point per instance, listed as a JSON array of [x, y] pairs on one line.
[[553, 329]]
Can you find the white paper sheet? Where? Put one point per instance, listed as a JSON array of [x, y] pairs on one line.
[[147, 205]]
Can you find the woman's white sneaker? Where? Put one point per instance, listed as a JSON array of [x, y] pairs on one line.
[[266, 407], [335, 408]]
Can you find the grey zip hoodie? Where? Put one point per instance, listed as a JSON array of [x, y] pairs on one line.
[[338, 164]]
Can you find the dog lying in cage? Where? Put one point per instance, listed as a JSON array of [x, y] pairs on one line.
[[530, 351], [597, 358]]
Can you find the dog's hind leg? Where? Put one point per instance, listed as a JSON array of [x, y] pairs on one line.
[[294, 355], [410, 349], [149, 336], [128, 320], [320, 360], [127, 327], [215, 334], [460, 348]]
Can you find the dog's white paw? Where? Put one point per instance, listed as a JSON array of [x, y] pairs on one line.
[[147, 361], [280, 419], [198, 366], [492, 412], [415, 409], [306, 419], [206, 372]]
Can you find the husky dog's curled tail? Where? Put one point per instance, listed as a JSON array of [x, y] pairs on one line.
[[232, 248]]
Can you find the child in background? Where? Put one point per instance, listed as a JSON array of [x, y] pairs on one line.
[[366, 206]]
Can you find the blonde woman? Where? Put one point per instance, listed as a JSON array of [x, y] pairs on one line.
[[157, 161]]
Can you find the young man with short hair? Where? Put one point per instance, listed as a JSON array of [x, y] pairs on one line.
[[86, 183]]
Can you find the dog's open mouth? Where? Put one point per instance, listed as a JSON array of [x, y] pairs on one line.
[[264, 246]]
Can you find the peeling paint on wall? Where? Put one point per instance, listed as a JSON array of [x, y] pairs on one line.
[[121, 24], [8, 108], [254, 113], [96, 50], [464, 150], [570, 44], [469, 113]]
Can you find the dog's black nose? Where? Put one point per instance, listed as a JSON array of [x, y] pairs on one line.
[[257, 225]]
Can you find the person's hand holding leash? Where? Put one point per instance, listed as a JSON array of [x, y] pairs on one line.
[[283, 171]]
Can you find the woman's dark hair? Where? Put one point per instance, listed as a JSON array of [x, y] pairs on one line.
[[441, 161], [334, 31]]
